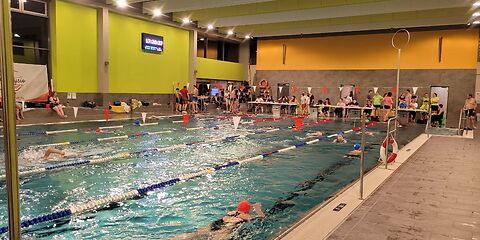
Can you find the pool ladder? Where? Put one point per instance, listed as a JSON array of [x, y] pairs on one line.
[[462, 123]]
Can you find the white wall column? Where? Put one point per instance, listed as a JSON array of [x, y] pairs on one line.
[[244, 58], [192, 63], [102, 52]]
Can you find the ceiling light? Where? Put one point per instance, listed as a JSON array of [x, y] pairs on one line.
[[157, 12], [16, 35], [476, 22], [477, 14], [476, 4], [247, 37], [210, 27], [230, 32], [201, 39], [121, 3], [186, 20]]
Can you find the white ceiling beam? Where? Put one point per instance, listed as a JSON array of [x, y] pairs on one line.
[[365, 27], [168, 6], [392, 6]]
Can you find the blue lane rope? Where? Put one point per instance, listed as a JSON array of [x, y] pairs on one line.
[[79, 208]]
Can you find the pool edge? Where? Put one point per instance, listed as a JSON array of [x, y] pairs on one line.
[[302, 229]]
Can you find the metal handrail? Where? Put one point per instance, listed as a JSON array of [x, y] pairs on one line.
[[429, 121], [460, 118], [387, 138]]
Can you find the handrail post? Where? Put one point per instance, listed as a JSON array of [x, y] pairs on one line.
[[429, 121], [9, 131], [362, 156]]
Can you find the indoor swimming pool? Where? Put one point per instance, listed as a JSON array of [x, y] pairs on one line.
[[288, 184]]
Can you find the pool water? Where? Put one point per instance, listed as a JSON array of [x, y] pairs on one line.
[[287, 184]]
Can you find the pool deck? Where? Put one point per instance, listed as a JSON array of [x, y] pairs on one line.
[[433, 195], [40, 116]]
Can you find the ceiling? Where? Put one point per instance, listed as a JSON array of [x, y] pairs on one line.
[[263, 18]]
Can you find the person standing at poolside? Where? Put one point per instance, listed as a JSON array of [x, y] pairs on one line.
[[178, 100], [470, 107], [377, 104], [434, 101], [195, 99], [387, 105], [184, 94]]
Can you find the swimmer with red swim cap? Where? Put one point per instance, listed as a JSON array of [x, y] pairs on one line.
[[224, 227]]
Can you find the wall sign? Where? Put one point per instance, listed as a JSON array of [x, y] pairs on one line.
[[152, 43]]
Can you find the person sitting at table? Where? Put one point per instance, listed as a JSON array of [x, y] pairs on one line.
[[326, 110], [339, 109], [259, 106], [293, 107], [413, 105], [403, 104], [368, 112]]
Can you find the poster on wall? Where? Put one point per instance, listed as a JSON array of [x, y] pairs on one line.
[[31, 82]]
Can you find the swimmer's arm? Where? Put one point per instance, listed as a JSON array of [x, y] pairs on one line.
[[258, 210]]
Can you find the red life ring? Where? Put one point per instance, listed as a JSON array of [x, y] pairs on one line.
[[394, 154], [263, 83]]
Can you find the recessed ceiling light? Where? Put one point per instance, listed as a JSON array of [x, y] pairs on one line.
[[230, 32], [201, 39], [476, 22], [157, 12], [476, 4], [476, 14], [210, 27], [247, 37], [121, 3], [186, 20], [16, 35]]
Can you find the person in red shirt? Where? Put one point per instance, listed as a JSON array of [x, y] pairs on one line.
[[184, 93], [387, 105]]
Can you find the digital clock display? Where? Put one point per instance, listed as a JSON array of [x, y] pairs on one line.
[[152, 43]]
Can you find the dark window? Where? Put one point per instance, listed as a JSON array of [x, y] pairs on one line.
[[31, 29], [18, 50], [15, 4], [34, 6]]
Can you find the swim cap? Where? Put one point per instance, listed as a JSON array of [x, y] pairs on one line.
[[356, 146], [244, 207], [341, 134], [137, 122]]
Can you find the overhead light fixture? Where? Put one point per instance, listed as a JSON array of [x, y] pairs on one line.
[[201, 39], [476, 14], [476, 22], [16, 35], [476, 4], [157, 12], [247, 36], [121, 3], [210, 27], [230, 32], [186, 20]]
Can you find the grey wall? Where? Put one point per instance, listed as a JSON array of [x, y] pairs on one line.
[[460, 82], [163, 99]]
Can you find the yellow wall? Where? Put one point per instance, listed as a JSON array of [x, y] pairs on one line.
[[133, 71], [372, 51], [219, 70]]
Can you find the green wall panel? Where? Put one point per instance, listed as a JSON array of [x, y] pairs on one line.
[[133, 71], [74, 47], [220, 70]]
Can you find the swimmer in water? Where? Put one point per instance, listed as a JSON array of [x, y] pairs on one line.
[[224, 227], [356, 152], [366, 133], [340, 139], [315, 134], [53, 151]]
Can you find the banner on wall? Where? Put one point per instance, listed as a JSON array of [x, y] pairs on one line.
[[31, 82]]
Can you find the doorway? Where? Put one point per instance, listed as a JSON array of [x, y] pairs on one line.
[[285, 90], [346, 90], [442, 93]]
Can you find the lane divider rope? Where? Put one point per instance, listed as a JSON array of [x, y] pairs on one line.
[[79, 208]]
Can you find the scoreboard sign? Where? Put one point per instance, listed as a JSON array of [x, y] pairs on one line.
[[152, 43]]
